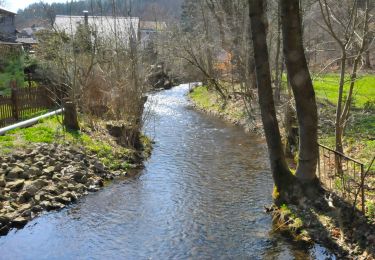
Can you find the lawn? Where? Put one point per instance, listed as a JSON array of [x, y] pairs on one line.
[[326, 88]]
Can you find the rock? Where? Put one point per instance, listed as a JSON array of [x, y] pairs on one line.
[[51, 205], [19, 222], [4, 220], [51, 189], [33, 187], [2, 182], [46, 205], [39, 164], [14, 173], [15, 185], [49, 171], [93, 188], [4, 166], [99, 167], [34, 171], [62, 199]]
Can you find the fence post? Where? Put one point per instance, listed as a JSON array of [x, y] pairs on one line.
[[14, 92], [363, 189]]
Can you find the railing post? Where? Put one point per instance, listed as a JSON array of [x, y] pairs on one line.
[[363, 190]]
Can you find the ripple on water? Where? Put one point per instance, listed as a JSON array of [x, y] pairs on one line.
[[200, 196]]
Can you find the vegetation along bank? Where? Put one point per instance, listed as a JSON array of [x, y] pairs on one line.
[[43, 168]]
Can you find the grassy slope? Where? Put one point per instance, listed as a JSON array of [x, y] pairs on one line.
[[360, 134], [50, 130], [326, 88]]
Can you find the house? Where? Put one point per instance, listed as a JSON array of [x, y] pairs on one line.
[[107, 28], [7, 27], [149, 29], [29, 32]]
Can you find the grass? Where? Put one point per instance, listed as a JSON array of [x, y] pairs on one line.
[[205, 99], [113, 156], [326, 88]]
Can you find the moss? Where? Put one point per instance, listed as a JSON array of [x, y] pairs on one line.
[[275, 193]]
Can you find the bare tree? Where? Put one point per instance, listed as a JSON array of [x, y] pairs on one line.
[[343, 22]]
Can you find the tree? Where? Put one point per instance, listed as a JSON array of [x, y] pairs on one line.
[[280, 171], [344, 23], [300, 81]]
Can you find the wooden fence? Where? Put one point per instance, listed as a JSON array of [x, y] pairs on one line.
[[24, 103]]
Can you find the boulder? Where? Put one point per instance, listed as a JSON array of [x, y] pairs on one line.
[[15, 186], [49, 171], [33, 187], [33, 171], [14, 173], [19, 222], [2, 181]]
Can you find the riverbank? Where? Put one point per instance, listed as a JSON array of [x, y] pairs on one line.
[[313, 223], [43, 168]]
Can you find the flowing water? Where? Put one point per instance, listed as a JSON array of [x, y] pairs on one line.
[[200, 196]]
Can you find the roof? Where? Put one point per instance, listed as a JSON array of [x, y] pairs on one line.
[[105, 26], [31, 30], [26, 40], [3, 10], [154, 26]]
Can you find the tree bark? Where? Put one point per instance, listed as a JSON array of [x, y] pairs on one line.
[[300, 80], [70, 116], [280, 170]]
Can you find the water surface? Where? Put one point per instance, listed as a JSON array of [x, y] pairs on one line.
[[200, 196]]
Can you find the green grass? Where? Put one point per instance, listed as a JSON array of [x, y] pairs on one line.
[[204, 98], [326, 88], [50, 131]]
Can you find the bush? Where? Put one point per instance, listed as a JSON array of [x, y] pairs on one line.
[[13, 71]]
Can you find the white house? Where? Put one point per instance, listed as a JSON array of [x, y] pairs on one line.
[[105, 27]]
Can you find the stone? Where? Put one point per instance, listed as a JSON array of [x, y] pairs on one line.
[[15, 185], [62, 199], [34, 171], [24, 197], [14, 173], [51, 189], [19, 221], [93, 188], [4, 166], [33, 187], [4, 219], [99, 167], [2, 182], [49, 171]]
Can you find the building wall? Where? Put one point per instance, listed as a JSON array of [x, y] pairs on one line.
[[7, 28]]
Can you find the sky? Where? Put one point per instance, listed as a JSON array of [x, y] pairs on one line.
[[14, 5]]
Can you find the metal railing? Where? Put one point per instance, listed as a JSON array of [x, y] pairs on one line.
[[343, 175]]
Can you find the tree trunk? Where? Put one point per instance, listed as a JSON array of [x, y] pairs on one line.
[[277, 59], [280, 170], [291, 129], [70, 116], [300, 80]]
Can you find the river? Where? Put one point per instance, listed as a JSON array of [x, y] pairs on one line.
[[201, 195]]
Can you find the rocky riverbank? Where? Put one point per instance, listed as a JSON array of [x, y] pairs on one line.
[[46, 177], [43, 168]]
